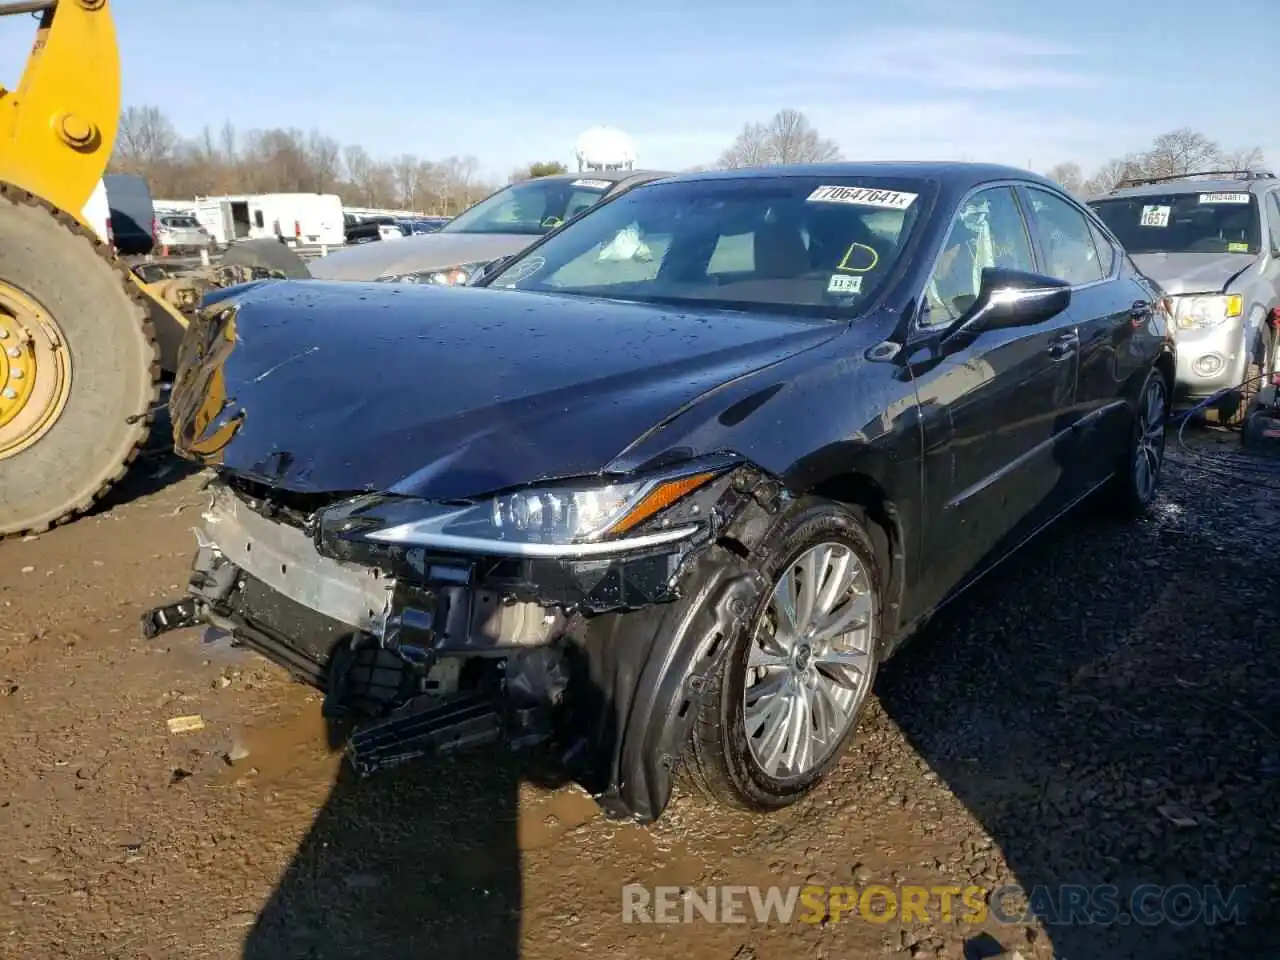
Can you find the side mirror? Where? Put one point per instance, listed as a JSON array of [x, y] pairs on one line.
[[1013, 298]]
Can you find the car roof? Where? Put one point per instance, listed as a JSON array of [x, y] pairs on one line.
[[959, 174], [613, 176], [1245, 181]]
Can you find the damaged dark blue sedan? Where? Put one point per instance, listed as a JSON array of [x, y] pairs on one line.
[[664, 489]]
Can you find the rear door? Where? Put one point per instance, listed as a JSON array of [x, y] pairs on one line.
[[1107, 306], [992, 408]]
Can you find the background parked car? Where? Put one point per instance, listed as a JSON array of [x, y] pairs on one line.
[[373, 228], [771, 422], [1212, 240], [179, 233], [423, 225], [498, 226]]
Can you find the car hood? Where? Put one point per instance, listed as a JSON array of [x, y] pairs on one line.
[[444, 393], [430, 251], [1193, 272]]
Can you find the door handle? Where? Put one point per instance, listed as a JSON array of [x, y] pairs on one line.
[[1064, 344]]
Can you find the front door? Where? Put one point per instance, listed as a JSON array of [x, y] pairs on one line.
[[994, 409]]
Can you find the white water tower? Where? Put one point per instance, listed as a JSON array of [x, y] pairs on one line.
[[605, 148]]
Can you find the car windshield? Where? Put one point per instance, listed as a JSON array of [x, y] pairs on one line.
[[1210, 222], [802, 244], [533, 207]]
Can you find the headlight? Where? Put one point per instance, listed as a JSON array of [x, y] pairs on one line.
[[1208, 311], [559, 520], [443, 277]]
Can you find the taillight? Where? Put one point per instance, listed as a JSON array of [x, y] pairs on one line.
[[297, 229], [155, 228]]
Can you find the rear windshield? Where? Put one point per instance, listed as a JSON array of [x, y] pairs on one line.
[[801, 244], [1210, 222], [179, 221]]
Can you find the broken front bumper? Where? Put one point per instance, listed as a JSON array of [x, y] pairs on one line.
[[610, 656]]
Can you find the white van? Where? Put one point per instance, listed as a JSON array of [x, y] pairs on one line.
[[97, 214]]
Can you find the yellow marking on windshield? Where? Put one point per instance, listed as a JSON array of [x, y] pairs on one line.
[[848, 255]]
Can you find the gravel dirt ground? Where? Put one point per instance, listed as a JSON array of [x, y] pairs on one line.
[[1103, 710]]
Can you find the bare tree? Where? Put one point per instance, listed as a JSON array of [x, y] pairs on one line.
[[749, 149], [145, 139], [787, 138], [407, 174], [1068, 175], [459, 174], [1173, 154], [323, 155], [284, 161], [358, 164], [1251, 158], [1111, 173], [1180, 152], [795, 140]]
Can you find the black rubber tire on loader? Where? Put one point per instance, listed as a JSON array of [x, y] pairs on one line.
[[270, 254], [49, 257]]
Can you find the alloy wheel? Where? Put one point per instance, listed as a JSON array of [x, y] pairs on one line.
[[811, 661], [1150, 453]]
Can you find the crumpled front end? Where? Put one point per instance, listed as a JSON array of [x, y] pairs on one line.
[[601, 652]]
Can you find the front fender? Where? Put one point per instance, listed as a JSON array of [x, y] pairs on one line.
[[638, 691]]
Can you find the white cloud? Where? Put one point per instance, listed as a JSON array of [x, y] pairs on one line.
[[942, 129], [959, 129], [954, 59]]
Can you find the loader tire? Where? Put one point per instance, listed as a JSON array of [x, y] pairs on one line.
[[77, 326], [269, 254]]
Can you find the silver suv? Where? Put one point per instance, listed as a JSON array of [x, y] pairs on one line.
[[1212, 240]]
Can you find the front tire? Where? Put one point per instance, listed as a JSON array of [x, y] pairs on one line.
[[79, 373], [785, 705], [1233, 408]]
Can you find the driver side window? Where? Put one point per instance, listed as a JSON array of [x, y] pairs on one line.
[[988, 231]]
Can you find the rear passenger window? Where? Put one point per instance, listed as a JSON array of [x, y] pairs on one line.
[[1106, 252], [1065, 238]]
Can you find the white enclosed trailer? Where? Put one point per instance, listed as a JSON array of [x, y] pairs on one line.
[[302, 218]]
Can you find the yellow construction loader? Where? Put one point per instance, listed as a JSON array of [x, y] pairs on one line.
[[83, 339]]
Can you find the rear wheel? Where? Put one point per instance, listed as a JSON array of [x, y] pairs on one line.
[[78, 370], [784, 707], [1137, 477]]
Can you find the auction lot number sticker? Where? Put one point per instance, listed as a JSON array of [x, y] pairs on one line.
[[863, 197]]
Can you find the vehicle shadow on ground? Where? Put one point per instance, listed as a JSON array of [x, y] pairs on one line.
[[1121, 729], [155, 467], [418, 861]]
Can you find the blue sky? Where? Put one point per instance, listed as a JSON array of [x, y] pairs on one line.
[[1013, 81]]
